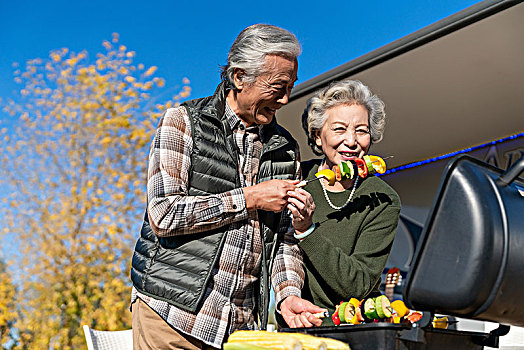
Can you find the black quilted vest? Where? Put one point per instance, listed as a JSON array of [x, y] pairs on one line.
[[177, 269]]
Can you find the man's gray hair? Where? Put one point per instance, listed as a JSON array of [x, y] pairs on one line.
[[346, 92], [251, 47]]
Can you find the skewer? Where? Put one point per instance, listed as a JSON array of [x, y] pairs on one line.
[[321, 314], [446, 321], [305, 182], [388, 157]]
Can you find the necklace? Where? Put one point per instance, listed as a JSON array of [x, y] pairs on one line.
[[349, 198]]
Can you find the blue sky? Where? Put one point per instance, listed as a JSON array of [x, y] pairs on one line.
[[191, 38]]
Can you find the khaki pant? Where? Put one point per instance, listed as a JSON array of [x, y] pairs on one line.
[[150, 331]]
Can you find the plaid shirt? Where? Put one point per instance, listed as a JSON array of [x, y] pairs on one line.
[[230, 296]]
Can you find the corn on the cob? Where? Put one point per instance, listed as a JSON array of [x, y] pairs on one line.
[[333, 344], [272, 340], [242, 346], [284, 341], [311, 342]]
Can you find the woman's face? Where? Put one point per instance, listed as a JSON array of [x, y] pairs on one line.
[[345, 134]]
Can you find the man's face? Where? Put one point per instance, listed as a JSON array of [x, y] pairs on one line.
[[258, 101]]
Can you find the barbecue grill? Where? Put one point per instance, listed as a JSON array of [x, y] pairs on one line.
[[469, 263]]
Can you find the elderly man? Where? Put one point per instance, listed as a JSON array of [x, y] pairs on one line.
[[217, 225]]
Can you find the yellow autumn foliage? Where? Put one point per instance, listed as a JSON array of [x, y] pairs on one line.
[[73, 169], [8, 313]]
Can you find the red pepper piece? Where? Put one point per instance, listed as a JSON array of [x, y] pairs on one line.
[[362, 168], [414, 317]]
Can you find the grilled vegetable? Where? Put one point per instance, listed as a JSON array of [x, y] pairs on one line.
[[346, 170], [369, 165], [440, 322], [338, 174], [357, 317], [369, 309], [400, 308], [366, 166], [362, 168], [328, 174], [383, 306], [349, 312], [378, 164], [414, 316], [341, 312], [349, 169], [334, 317]]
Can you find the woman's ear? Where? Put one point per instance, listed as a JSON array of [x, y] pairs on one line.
[[318, 140], [238, 78]]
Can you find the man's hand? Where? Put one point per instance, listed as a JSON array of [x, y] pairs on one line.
[[298, 312], [269, 195]]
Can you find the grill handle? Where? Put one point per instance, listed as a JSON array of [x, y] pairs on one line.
[[512, 173]]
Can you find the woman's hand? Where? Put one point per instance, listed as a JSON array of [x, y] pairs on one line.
[[302, 207]]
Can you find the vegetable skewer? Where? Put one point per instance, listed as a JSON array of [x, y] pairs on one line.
[[349, 169]]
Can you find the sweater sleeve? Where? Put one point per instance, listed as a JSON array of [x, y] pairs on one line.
[[354, 274]]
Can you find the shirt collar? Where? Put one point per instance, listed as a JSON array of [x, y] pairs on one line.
[[234, 121]]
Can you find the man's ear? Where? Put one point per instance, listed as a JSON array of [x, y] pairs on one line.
[[238, 78]]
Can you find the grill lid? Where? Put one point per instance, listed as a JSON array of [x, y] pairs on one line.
[[469, 260]]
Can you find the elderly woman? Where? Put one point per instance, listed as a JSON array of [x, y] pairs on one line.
[[352, 223]]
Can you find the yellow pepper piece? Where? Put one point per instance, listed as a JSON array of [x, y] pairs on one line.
[[440, 322], [400, 308], [355, 303], [378, 164], [328, 174]]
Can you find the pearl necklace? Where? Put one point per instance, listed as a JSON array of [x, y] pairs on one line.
[[349, 198]]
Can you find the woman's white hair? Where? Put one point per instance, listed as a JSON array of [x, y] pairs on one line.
[[347, 92], [251, 47]]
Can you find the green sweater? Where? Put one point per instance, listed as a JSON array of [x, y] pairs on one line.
[[346, 254]]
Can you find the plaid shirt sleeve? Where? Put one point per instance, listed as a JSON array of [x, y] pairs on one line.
[[171, 210], [288, 274]]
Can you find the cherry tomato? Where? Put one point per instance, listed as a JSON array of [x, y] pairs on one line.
[[336, 319]]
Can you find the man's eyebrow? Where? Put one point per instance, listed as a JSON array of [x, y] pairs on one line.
[[283, 82]]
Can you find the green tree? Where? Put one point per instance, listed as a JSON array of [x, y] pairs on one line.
[[74, 166]]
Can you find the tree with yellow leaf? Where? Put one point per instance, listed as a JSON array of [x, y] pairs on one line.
[[74, 169], [8, 314]]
